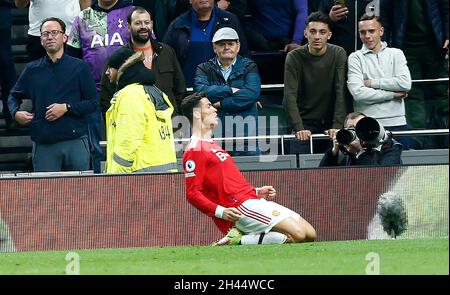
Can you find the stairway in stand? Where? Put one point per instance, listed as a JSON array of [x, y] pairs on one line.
[[15, 144]]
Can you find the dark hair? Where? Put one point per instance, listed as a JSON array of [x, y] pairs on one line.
[[320, 17], [137, 9], [369, 17], [189, 103], [53, 19], [351, 116]]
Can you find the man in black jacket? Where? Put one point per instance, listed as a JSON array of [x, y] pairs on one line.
[[62, 91]]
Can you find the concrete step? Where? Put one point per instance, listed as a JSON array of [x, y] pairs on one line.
[[20, 16], [17, 149], [14, 141], [16, 167], [14, 157], [15, 144], [19, 131], [19, 34]]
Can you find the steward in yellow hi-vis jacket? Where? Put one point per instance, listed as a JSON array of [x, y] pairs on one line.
[[139, 126]]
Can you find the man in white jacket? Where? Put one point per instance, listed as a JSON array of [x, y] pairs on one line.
[[379, 78]]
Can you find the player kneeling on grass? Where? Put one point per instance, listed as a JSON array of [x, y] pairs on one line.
[[215, 186]]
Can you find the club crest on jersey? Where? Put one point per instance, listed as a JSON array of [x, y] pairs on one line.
[[120, 23], [189, 167], [276, 213]]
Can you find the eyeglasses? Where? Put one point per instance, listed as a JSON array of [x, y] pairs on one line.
[[54, 33]]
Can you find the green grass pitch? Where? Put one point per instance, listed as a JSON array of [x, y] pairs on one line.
[[406, 256]]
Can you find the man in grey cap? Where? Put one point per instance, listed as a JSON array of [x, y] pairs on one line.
[[232, 84]]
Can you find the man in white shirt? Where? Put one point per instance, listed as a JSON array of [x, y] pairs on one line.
[[39, 10], [379, 78]]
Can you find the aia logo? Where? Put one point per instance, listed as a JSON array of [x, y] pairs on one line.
[[106, 40]]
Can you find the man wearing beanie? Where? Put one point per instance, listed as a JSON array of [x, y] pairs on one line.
[[138, 123], [115, 61]]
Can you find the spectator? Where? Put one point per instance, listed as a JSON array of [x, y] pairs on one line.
[[96, 33], [420, 29], [215, 186], [345, 31], [233, 85], [379, 79], [39, 10], [139, 130], [314, 82], [181, 7], [62, 92], [7, 71], [237, 7], [191, 33], [115, 61], [357, 153], [313, 5], [163, 12], [160, 58], [276, 25]]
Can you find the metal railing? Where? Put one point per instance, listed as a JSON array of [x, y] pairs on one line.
[[277, 87], [313, 137], [324, 136], [394, 133]]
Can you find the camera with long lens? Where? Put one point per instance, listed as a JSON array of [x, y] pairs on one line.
[[369, 131], [346, 136]]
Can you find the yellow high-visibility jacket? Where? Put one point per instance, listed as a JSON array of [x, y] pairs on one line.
[[139, 131]]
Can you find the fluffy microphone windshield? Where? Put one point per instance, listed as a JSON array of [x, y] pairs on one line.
[[392, 214]]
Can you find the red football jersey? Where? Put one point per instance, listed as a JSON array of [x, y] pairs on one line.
[[212, 179]]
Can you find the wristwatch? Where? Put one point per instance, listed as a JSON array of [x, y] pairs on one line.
[[69, 107]]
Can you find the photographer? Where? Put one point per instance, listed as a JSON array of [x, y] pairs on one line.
[[358, 152]]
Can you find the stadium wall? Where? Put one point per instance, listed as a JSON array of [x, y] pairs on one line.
[[147, 210]]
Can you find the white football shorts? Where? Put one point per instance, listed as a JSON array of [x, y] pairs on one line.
[[260, 216]]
